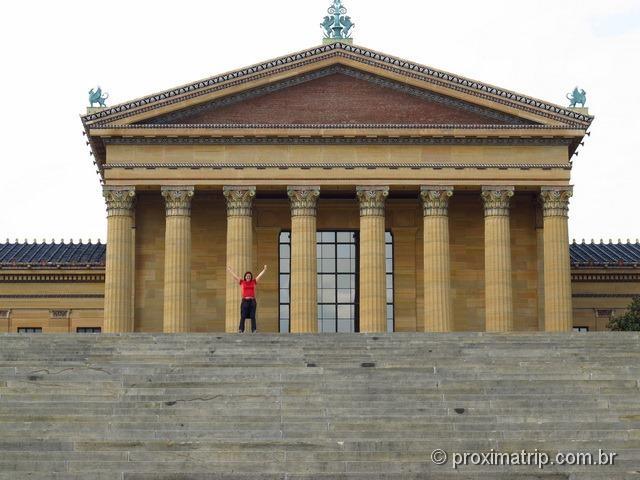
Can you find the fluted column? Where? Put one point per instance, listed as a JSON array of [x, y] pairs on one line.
[[558, 306], [373, 284], [497, 237], [304, 268], [540, 263], [239, 247], [438, 316], [118, 301], [177, 263]]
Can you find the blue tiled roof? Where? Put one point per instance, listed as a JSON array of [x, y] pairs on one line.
[[605, 254], [52, 254], [94, 254]]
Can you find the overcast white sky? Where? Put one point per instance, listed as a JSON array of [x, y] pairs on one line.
[[53, 52]]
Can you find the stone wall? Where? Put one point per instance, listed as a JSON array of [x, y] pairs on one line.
[[404, 219], [58, 306]]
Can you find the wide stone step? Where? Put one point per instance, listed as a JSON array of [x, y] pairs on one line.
[[258, 407]]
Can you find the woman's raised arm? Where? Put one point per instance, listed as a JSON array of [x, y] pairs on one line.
[[233, 274], [261, 274]]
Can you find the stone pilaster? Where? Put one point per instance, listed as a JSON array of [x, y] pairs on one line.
[[558, 307], [438, 316], [177, 265], [373, 293], [498, 284], [118, 301], [239, 247], [304, 295]]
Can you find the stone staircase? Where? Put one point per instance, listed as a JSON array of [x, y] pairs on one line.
[[204, 407]]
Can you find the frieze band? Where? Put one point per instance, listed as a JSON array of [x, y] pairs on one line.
[[52, 278], [78, 295], [605, 277], [328, 166], [604, 295]]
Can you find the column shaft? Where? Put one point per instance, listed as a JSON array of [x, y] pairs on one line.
[[438, 315], [498, 282], [558, 306], [118, 301], [239, 247], [177, 265], [373, 283], [540, 266], [304, 295]]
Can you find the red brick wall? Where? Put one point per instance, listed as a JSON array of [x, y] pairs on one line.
[[338, 99]]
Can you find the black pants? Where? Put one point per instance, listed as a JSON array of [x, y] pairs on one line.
[[248, 310]]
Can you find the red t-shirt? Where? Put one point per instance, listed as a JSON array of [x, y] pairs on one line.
[[248, 288]]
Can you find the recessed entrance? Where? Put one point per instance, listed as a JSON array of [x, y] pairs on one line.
[[337, 253]]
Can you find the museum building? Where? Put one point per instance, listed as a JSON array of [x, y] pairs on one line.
[[383, 195]]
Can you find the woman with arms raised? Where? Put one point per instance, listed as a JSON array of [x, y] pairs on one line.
[[248, 305]]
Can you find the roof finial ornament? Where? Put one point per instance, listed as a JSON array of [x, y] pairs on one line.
[[576, 97], [337, 25], [96, 96]]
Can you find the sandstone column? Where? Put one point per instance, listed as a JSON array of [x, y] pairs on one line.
[[239, 247], [177, 263], [118, 301], [558, 306], [438, 316], [304, 269], [540, 263], [498, 286], [373, 284]]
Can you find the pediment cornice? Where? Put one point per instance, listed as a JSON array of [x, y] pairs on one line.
[[414, 74]]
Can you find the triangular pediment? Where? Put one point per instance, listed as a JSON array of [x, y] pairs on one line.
[[337, 95], [337, 84]]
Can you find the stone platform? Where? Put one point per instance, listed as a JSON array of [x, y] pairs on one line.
[[204, 407]]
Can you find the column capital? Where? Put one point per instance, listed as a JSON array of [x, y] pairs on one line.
[[239, 200], [435, 200], [372, 199], [303, 200], [119, 200], [496, 200], [555, 201], [178, 200]]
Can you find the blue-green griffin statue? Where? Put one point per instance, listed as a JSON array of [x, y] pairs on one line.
[[577, 97], [97, 97], [337, 24]]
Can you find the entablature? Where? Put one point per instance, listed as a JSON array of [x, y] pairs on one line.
[[424, 106], [227, 132]]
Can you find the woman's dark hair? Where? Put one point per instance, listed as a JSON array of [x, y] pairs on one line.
[[247, 273]]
